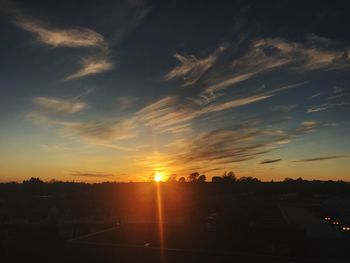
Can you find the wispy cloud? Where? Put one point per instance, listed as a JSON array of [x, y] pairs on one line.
[[102, 133], [326, 106], [185, 127], [165, 113], [235, 103], [318, 108], [229, 81], [99, 59], [192, 68], [115, 146], [337, 90], [58, 105], [91, 66], [71, 38], [55, 37], [274, 53], [322, 158], [54, 148], [247, 141], [125, 102], [262, 55], [168, 113], [337, 96], [267, 161], [52, 110], [92, 174], [99, 131], [316, 95]]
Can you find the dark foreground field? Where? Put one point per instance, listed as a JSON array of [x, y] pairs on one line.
[[207, 222]]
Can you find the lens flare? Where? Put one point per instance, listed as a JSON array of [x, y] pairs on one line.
[[160, 220]]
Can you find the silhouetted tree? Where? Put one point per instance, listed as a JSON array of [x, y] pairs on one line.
[[287, 179], [193, 177], [229, 177], [249, 179], [216, 179], [172, 178], [34, 185], [202, 178], [33, 181], [182, 179]]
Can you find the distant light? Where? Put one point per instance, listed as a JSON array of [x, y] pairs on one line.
[[335, 223]]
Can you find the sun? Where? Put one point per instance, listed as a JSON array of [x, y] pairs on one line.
[[158, 176]]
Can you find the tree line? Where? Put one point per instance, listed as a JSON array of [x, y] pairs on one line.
[[227, 177]]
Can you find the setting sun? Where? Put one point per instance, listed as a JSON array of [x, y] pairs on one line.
[[158, 177]]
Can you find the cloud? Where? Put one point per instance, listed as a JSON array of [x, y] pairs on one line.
[[273, 53], [115, 147], [186, 127], [262, 55], [174, 115], [206, 98], [267, 161], [318, 108], [306, 127], [310, 55], [99, 131], [229, 81], [169, 114], [191, 68], [58, 105], [285, 108], [54, 148], [234, 103], [165, 113], [222, 148], [51, 110], [73, 38], [337, 96], [316, 95], [323, 158], [326, 106], [337, 90], [91, 66], [244, 142], [125, 102], [92, 174]]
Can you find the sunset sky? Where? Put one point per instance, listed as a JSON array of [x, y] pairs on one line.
[[119, 90]]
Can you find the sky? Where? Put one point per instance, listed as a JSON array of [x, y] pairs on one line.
[[98, 91]]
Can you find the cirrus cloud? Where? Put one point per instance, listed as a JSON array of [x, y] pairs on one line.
[[55, 37], [58, 105], [321, 158], [91, 66], [268, 161]]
